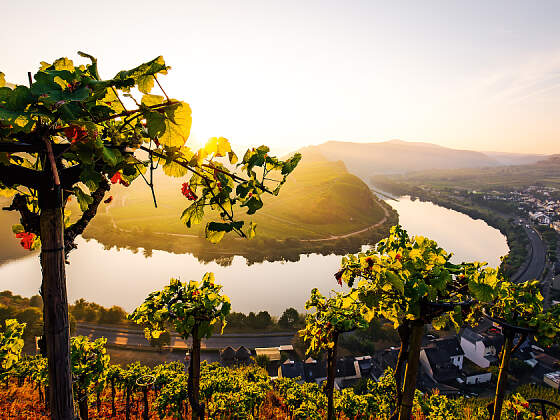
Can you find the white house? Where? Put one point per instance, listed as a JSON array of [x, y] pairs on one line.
[[481, 348], [473, 374], [552, 379], [540, 217]]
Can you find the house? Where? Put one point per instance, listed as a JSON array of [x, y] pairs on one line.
[[229, 355], [442, 359], [384, 359], [271, 353], [471, 374], [365, 363], [314, 371], [311, 370], [291, 369], [481, 348], [242, 354], [540, 217], [347, 372], [547, 362], [552, 379]]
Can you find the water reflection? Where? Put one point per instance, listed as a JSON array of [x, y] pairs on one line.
[[124, 277]]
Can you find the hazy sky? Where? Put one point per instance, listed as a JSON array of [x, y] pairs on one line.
[[469, 74]]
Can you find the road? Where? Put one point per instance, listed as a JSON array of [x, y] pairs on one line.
[[123, 337], [537, 263]]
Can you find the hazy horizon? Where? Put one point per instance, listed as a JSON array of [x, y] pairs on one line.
[[475, 76]]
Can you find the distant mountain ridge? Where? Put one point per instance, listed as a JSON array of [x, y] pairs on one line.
[[400, 157]]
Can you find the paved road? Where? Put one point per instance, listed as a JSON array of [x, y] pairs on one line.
[[133, 338], [536, 265]]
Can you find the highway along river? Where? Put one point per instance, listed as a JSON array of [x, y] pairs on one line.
[[124, 278]]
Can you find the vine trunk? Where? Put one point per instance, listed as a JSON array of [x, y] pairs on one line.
[[331, 373], [55, 308], [411, 372], [502, 376], [194, 377]]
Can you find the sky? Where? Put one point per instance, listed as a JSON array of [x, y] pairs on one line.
[[475, 75]]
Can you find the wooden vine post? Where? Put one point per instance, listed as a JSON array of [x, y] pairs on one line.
[[502, 374], [331, 374], [55, 301], [411, 371], [194, 377]]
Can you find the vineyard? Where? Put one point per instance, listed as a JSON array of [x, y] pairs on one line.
[[244, 392]]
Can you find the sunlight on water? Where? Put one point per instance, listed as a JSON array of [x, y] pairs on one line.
[[468, 239], [124, 278]]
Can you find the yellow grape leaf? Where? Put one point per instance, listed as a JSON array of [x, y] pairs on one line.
[[60, 82], [2, 80], [368, 315], [64, 64], [177, 125], [151, 100], [414, 254], [112, 101], [214, 236], [145, 83], [172, 168], [44, 66], [219, 146]]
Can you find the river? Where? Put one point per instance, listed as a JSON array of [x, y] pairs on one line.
[[124, 278]]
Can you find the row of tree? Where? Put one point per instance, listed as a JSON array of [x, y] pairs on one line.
[[82, 310], [412, 282]]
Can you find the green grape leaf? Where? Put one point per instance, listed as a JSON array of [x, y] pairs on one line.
[[83, 199], [253, 204], [193, 214]]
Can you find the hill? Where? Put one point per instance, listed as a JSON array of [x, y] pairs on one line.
[[322, 208], [544, 172], [399, 157]]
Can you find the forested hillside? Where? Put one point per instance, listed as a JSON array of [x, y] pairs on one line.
[[323, 208]]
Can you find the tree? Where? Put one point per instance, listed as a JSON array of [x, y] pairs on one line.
[[333, 316], [263, 320], [289, 318], [410, 282], [236, 320], [113, 315], [70, 134], [36, 301], [193, 309], [33, 318], [6, 312], [518, 309]]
